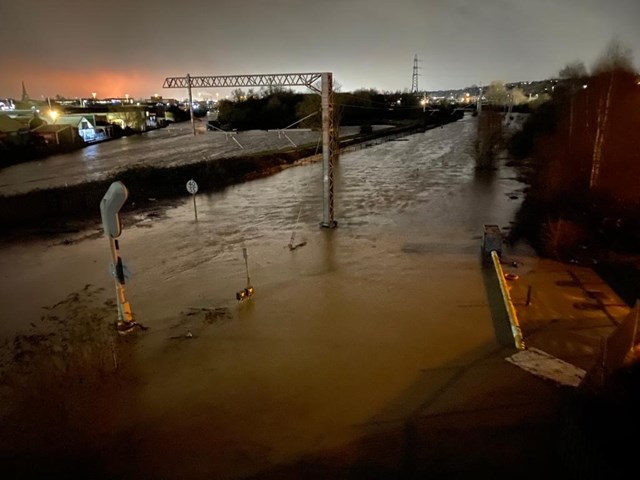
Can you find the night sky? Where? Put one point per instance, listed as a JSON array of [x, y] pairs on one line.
[[113, 47]]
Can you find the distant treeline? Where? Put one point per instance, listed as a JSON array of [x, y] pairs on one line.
[[281, 109]]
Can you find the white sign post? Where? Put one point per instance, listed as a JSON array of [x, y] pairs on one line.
[[192, 188]]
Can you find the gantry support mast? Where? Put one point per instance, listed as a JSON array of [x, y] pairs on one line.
[[330, 145]]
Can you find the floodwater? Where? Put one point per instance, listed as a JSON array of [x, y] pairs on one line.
[[335, 336], [164, 147]]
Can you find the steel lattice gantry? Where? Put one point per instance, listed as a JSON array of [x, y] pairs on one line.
[[330, 145]]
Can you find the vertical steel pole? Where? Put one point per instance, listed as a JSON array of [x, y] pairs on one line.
[[330, 148], [193, 124]]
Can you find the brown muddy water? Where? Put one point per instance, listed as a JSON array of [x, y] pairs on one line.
[[335, 336]]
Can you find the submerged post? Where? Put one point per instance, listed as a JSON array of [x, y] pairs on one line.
[[193, 124], [330, 147]]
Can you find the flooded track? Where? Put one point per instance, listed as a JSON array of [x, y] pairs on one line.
[[336, 336]]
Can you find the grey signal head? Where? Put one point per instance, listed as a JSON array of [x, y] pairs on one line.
[[110, 205]]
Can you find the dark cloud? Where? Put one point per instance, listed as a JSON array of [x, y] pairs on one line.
[[366, 43]]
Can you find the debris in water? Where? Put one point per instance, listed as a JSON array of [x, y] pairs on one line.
[[292, 246], [208, 316], [546, 366]]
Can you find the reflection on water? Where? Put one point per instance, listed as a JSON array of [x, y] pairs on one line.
[[336, 330]]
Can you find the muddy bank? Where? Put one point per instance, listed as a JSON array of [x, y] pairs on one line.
[[53, 207]]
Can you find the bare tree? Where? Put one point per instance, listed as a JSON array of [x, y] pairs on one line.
[[574, 73], [496, 93], [238, 95], [615, 58], [573, 70], [489, 133]]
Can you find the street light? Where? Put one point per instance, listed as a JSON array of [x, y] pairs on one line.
[[53, 114]]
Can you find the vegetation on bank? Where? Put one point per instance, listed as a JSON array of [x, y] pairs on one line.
[[277, 108], [580, 154]]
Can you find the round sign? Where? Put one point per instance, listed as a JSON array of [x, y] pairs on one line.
[[192, 187]]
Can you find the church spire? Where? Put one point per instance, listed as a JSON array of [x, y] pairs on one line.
[[25, 95]]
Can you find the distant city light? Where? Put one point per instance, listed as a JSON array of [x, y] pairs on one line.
[[7, 106]]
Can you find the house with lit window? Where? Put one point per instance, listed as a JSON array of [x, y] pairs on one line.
[[85, 126]]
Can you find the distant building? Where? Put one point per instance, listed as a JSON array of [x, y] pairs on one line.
[[13, 131], [85, 126], [132, 117], [58, 134]]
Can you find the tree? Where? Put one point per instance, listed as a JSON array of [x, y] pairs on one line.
[[238, 95], [308, 106], [518, 97], [496, 93], [489, 133], [271, 90], [574, 74], [615, 57], [573, 70]]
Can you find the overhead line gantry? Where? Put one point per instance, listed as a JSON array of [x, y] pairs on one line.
[[330, 145]]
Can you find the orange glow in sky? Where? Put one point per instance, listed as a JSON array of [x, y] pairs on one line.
[[70, 84]]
